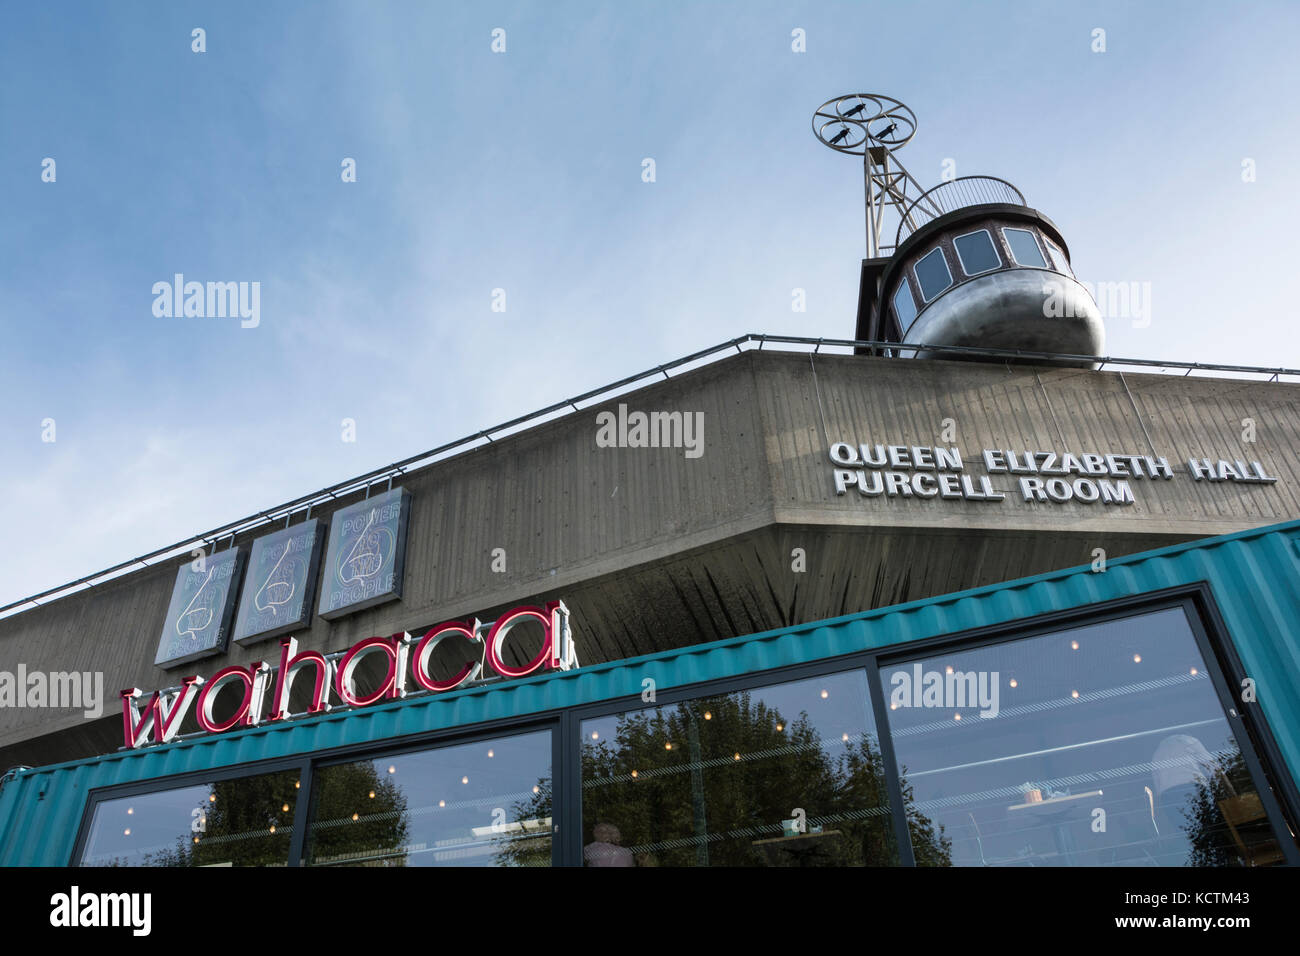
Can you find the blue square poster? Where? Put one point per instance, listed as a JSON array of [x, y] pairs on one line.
[[280, 583], [202, 606], [366, 555]]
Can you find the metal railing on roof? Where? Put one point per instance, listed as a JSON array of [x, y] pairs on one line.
[[753, 340], [952, 195]]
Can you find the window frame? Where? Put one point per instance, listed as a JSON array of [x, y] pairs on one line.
[[904, 284], [179, 781], [997, 254], [1278, 792], [1011, 252], [1055, 253], [920, 286], [442, 740], [1249, 729]]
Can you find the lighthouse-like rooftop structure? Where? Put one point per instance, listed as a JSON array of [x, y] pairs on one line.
[[966, 263]]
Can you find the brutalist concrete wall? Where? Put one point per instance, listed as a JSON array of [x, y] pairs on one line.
[[656, 547]]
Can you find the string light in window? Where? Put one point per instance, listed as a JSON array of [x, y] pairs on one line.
[[1137, 658], [825, 694], [1074, 694], [1014, 683], [1074, 645]]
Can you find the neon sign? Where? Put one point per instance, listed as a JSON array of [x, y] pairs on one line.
[[407, 673]]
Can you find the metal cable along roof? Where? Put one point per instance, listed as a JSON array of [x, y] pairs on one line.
[[753, 340]]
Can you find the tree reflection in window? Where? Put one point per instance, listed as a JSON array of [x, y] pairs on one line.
[[788, 775], [245, 821]]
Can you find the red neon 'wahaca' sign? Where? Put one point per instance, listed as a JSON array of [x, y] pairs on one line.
[[407, 663]]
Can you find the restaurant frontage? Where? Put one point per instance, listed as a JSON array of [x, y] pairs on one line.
[[1146, 714]]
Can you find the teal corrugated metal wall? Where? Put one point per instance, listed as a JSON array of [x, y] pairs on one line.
[[1254, 576]]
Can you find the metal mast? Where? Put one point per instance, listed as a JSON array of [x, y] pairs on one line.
[[873, 126]]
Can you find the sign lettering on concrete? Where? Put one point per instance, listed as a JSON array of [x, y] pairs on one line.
[[917, 471]]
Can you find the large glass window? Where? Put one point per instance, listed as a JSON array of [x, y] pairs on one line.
[[247, 821], [932, 274], [785, 775], [1094, 746], [976, 252], [904, 307], [1024, 248], [486, 803]]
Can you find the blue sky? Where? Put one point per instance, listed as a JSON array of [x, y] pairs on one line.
[[522, 171]]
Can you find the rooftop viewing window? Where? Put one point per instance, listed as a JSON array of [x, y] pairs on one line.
[[932, 274], [976, 252], [1059, 262], [904, 306], [1024, 248], [1101, 745]]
